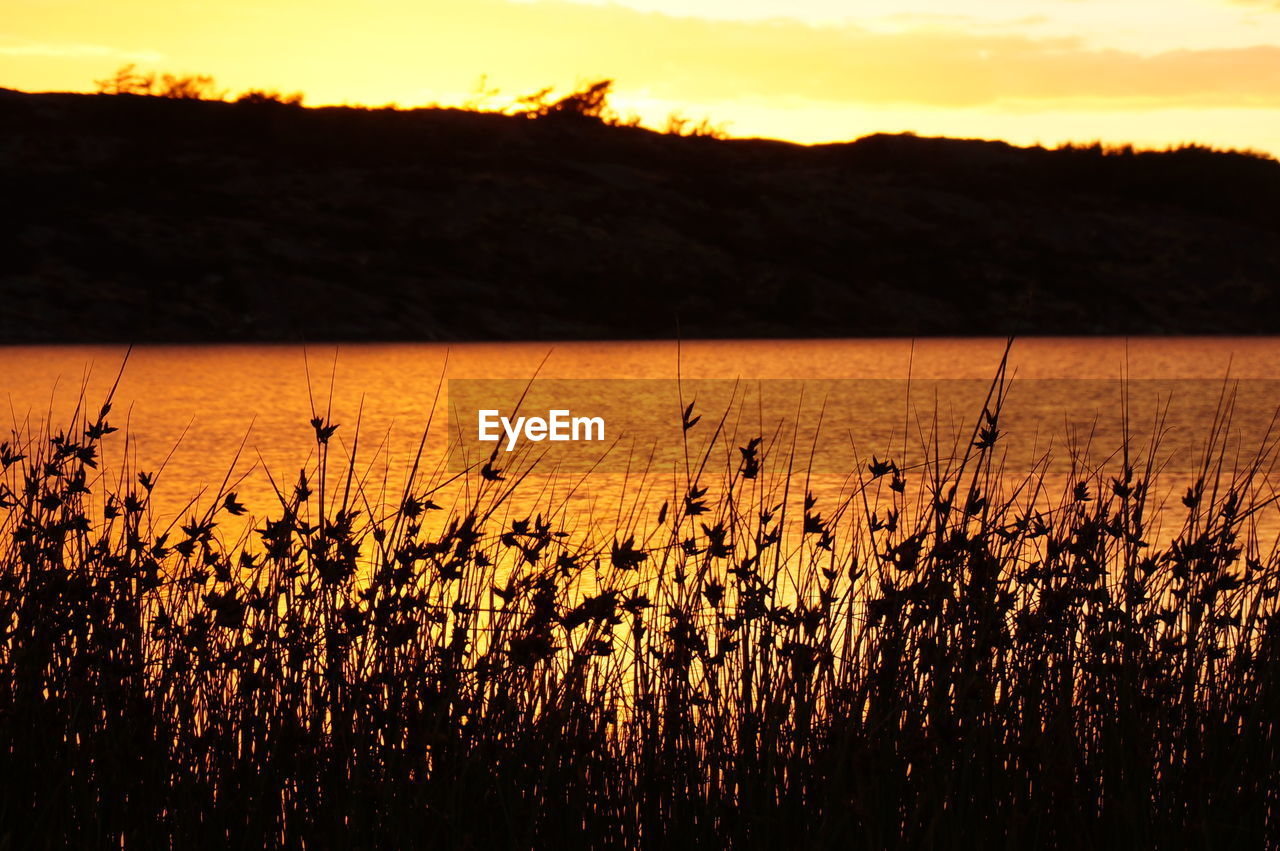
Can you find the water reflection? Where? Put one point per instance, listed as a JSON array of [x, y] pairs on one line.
[[823, 407]]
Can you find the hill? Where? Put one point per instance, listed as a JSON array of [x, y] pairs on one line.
[[134, 218]]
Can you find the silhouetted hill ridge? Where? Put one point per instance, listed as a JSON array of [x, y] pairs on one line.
[[140, 218]]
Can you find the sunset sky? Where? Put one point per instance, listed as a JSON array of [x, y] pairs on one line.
[[1153, 72]]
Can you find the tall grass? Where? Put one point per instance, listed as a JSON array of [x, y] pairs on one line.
[[948, 657]]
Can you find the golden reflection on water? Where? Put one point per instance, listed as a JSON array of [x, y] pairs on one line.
[[186, 410]]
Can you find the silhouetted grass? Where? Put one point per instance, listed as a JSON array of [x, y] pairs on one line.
[[948, 658]]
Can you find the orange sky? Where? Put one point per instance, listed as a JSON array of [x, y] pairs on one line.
[[1153, 72]]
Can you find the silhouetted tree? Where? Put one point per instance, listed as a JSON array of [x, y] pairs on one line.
[[260, 96], [189, 87], [126, 81], [590, 101]]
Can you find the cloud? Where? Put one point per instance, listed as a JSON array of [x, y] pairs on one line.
[[705, 61], [957, 21], [77, 51]]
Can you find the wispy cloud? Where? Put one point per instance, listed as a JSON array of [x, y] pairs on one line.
[[77, 51], [935, 65]]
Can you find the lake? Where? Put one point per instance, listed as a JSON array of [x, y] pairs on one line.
[[188, 410]]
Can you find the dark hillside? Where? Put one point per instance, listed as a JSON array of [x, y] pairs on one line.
[[141, 218]]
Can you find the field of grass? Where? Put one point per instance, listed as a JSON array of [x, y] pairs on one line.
[[949, 657]]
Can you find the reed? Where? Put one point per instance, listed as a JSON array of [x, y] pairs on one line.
[[950, 656]]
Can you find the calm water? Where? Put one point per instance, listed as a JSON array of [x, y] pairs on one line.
[[188, 409]]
